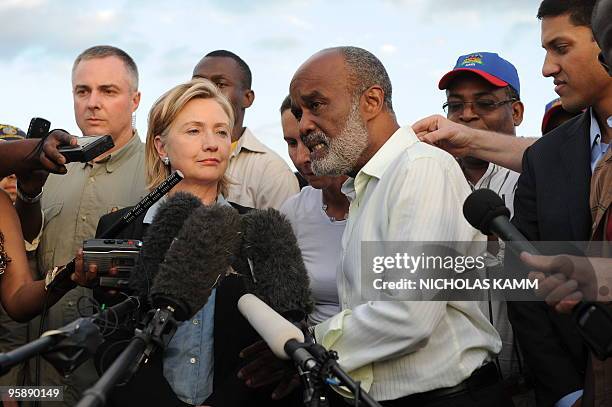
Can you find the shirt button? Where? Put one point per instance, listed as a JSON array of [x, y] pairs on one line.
[[195, 321], [193, 360], [83, 217], [71, 303], [92, 180]]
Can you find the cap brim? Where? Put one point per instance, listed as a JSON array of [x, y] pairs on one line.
[[450, 76], [547, 116], [11, 138]]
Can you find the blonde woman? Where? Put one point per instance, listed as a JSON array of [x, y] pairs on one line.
[[190, 130]]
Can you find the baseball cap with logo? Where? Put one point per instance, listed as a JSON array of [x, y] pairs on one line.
[[489, 66], [10, 133]]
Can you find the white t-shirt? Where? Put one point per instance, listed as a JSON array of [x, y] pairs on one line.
[[320, 240], [503, 182]]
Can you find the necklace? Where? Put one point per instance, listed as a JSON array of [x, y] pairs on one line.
[[333, 218]]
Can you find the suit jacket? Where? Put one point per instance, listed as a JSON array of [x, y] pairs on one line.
[[552, 204]]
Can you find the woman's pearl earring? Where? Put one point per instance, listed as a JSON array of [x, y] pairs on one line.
[[166, 160]]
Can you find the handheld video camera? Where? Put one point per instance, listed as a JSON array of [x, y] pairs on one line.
[[120, 255], [86, 150]]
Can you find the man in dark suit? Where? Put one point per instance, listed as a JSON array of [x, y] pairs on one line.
[[552, 198]]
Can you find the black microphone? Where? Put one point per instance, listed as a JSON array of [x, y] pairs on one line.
[[201, 253], [166, 225], [144, 204], [200, 256], [486, 211], [271, 258]]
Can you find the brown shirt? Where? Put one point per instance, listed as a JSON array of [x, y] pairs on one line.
[[601, 196], [72, 205], [260, 178], [598, 392]]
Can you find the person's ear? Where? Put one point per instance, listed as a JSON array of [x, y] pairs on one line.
[[248, 97], [372, 102], [160, 147], [518, 109]]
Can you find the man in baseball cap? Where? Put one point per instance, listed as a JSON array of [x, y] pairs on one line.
[[483, 92]]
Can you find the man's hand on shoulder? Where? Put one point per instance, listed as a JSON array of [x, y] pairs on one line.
[[437, 130]]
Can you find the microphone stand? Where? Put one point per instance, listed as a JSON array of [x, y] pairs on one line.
[[156, 334], [69, 346], [318, 367]]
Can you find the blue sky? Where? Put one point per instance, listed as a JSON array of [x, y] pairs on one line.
[[417, 41]]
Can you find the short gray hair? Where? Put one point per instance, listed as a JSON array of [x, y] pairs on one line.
[[365, 70], [103, 51]]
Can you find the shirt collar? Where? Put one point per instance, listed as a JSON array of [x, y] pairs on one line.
[[595, 131], [115, 159], [248, 141], [402, 139], [152, 211], [598, 148]]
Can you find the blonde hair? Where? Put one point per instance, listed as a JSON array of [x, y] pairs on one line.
[[163, 113]]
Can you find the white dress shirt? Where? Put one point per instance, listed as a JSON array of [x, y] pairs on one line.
[[408, 191]]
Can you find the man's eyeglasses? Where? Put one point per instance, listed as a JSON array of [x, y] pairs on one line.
[[480, 107], [603, 63]]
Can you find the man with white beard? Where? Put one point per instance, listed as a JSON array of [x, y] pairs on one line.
[[403, 352]]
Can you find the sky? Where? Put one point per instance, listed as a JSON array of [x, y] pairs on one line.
[[417, 41]]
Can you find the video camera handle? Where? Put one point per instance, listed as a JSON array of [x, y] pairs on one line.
[[156, 334], [60, 278], [86, 327]]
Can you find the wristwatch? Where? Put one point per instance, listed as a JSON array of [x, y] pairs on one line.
[[28, 199]]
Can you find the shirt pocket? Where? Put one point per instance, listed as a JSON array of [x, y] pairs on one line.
[[48, 245]]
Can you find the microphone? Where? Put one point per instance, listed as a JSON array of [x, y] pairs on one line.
[[199, 256], [275, 330], [316, 365], [144, 204], [270, 255], [486, 211], [201, 253], [166, 225]]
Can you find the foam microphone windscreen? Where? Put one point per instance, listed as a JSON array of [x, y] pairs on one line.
[[271, 260], [166, 225], [481, 207], [200, 255]]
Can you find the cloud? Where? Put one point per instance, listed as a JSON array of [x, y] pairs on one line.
[[51, 30], [278, 43], [496, 6], [259, 6], [298, 22], [388, 49], [20, 4]]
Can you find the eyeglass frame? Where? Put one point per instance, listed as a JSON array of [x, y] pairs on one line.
[[494, 106]]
